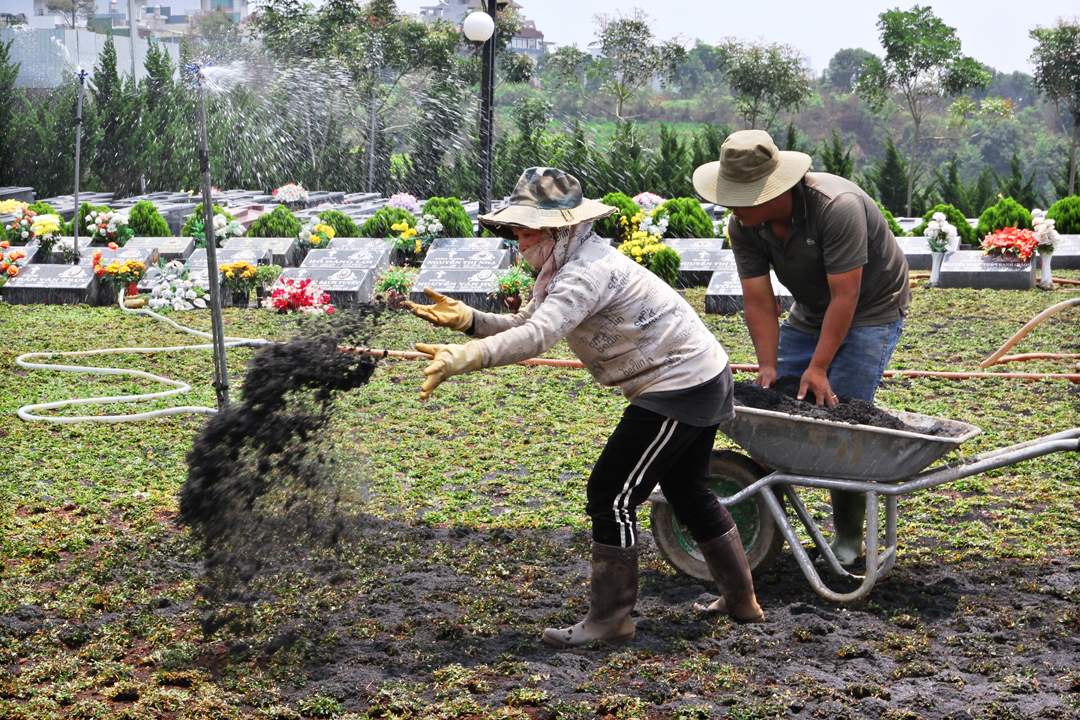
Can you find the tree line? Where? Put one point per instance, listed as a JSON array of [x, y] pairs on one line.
[[355, 96]]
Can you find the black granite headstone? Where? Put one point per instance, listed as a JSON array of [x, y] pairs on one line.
[[700, 260], [255, 256], [472, 243], [917, 252], [22, 194], [347, 287], [284, 250], [475, 288], [51, 285], [57, 255], [370, 258], [725, 294], [373, 244], [168, 248], [470, 260], [973, 269], [1067, 253]]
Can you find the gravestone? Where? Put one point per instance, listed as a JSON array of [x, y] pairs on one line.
[[176, 213], [917, 252], [30, 250], [473, 243], [373, 244], [373, 258], [700, 258], [64, 205], [106, 295], [255, 256], [469, 260], [475, 288], [57, 255], [168, 248], [973, 269], [22, 194], [1067, 253], [284, 251], [348, 287], [51, 285], [725, 294]]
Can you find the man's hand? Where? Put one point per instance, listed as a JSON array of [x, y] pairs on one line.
[[446, 312], [766, 376], [817, 382], [447, 361]]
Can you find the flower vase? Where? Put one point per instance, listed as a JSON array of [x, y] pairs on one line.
[[935, 267], [132, 289], [1046, 280], [240, 298], [512, 302]]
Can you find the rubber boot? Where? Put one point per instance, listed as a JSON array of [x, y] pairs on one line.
[[613, 588], [849, 517], [728, 566]]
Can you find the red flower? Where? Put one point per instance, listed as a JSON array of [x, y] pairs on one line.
[[113, 246]]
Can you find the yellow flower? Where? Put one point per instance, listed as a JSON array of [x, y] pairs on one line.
[[419, 247]]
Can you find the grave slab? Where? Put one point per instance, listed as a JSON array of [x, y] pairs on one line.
[[22, 194], [373, 244], [725, 295], [470, 260], [972, 269], [57, 255], [370, 258], [701, 260], [347, 287], [472, 243], [1067, 253], [255, 256], [284, 250], [51, 285], [917, 252], [168, 248], [473, 287]]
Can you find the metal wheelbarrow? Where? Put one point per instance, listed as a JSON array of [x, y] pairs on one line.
[[807, 452]]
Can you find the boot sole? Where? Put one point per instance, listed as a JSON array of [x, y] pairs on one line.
[[556, 642]]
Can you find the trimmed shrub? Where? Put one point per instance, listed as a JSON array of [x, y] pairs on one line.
[[278, 223], [953, 217], [378, 225], [1066, 215], [451, 213], [665, 263], [198, 213], [687, 219], [145, 221], [611, 226], [893, 225], [1006, 213], [343, 225]]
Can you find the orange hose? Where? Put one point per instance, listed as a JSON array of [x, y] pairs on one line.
[[1037, 356], [1031, 325], [552, 362]]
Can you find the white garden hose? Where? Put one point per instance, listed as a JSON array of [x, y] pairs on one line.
[[26, 412]]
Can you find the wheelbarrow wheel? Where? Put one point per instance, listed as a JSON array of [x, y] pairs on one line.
[[729, 472]]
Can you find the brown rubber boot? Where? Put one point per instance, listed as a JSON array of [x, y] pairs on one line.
[[728, 566], [613, 589]]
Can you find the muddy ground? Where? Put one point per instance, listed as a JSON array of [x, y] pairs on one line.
[[444, 622]]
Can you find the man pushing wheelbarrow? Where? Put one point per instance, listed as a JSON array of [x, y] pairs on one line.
[[632, 331]]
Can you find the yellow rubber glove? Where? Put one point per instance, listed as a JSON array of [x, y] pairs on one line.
[[446, 312], [447, 361]]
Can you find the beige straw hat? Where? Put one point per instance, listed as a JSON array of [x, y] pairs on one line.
[[751, 171], [545, 198]]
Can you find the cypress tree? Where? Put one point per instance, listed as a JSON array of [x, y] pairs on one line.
[[836, 160], [673, 171]]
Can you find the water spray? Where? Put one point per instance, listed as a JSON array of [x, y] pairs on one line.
[[221, 376], [81, 75]]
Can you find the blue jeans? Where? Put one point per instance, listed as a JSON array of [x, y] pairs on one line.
[[858, 365]]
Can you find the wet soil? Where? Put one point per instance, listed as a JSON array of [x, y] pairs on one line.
[[782, 397], [403, 620], [455, 618]]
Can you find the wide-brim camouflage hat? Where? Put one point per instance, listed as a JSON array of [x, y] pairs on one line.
[[751, 171], [545, 198]]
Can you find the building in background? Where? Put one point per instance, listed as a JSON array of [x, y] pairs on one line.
[[528, 40]]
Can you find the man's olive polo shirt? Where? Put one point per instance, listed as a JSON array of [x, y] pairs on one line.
[[836, 227]]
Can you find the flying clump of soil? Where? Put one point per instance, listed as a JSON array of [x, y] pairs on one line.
[[782, 397]]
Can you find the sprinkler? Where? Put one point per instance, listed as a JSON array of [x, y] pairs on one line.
[[221, 377], [81, 75]]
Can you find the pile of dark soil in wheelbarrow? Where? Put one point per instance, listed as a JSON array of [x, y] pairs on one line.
[[783, 397]]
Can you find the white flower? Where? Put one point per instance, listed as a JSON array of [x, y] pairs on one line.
[[939, 216], [25, 234], [89, 218]]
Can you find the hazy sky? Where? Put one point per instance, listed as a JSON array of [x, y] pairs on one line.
[[994, 32]]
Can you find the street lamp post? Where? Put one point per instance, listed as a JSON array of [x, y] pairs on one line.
[[480, 27]]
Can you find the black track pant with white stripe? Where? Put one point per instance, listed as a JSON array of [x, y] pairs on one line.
[[645, 449]]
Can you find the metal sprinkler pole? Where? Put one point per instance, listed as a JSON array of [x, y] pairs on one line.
[[81, 74], [221, 376]]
